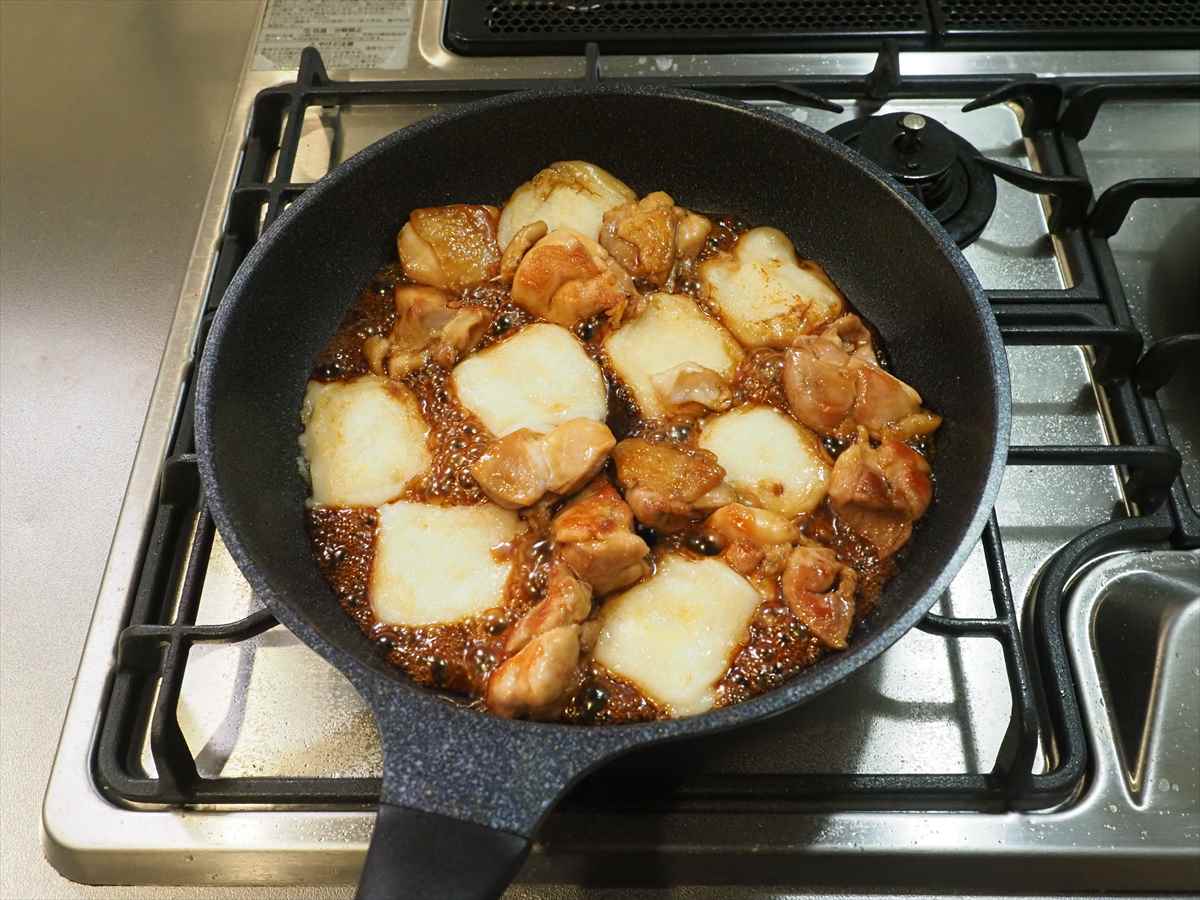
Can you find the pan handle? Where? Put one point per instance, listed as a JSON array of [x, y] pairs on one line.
[[420, 854]]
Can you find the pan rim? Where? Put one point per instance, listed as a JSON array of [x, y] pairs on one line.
[[372, 683]]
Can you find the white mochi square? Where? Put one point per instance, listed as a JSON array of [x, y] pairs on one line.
[[539, 378], [770, 459], [671, 330], [363, 440], [436, 563], [675, 634], [766, 295]]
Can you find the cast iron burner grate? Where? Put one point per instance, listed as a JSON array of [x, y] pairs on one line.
[[152, 651], [936, 165]]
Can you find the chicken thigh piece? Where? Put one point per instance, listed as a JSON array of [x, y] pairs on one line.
[[647, 236], [568, 601], [451, 246], [516, 249], [520, 468], [879, 492], [666, 486], [766, 295], [566, 277], [537, 679], [569, 194], [819, 589], [747, 536], [834, 392], [851, 334], [426, 326], [593, 534]]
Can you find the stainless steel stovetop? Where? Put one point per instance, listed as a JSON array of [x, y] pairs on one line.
[[267, 707]]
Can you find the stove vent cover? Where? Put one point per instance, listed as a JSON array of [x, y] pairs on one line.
[[543, 27], [1077, 24], [540, 27]]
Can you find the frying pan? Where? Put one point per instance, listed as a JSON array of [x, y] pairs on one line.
[[464, 792]]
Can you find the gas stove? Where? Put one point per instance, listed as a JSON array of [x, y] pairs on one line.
[[1037, 732]]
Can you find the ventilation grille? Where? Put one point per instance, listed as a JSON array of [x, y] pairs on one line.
[[510, 27], [1082, 24], [541, 27], [1113, 15]]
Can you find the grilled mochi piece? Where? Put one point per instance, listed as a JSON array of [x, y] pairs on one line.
[[539, 378], [570, 194], [363, 440], [675, 634], [769, 459], [437, 563], [670, 331], [765, 294]]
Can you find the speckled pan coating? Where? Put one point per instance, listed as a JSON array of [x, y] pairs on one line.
[[886, 252]]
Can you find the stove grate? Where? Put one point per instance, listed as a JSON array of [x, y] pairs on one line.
[[153, 648]]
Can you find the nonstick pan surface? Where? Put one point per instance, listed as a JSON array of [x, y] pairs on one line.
[[464, 792]]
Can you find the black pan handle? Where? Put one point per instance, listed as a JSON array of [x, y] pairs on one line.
[[426, 855]]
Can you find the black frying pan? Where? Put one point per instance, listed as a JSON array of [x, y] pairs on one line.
[[464, 792]]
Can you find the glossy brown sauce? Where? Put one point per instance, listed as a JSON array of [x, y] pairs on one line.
[[456, 440], [374, 313], [460, 657]]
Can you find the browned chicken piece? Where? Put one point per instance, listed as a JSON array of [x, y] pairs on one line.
[[575, 452], [746, 534], [594, 535], [461, 334], [375, 351], [513, 471], [851, 334], [518, 247], [819, 589], [589, 633], [663, 482], [568, 601], [520, 468], [536, 680], [451, 246], [880, 491], [641, 236], [567, 278], [742, 556], [691, 389], [647, 236], [819, 384], [737, 522], [888, 406], [834, 392], [690, 235], [426, 326]]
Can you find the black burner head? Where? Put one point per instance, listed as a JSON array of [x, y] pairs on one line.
[[935, 164]]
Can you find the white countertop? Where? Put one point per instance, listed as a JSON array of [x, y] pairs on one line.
[[112, 112]]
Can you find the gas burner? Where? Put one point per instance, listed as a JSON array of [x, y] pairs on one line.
[[933, 163]]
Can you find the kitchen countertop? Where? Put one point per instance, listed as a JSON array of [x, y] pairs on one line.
[[110, 117]]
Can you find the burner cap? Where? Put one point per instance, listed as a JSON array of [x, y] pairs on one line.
[[933, 163]]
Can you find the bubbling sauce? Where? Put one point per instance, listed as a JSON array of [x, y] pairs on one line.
[[459, 657]]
